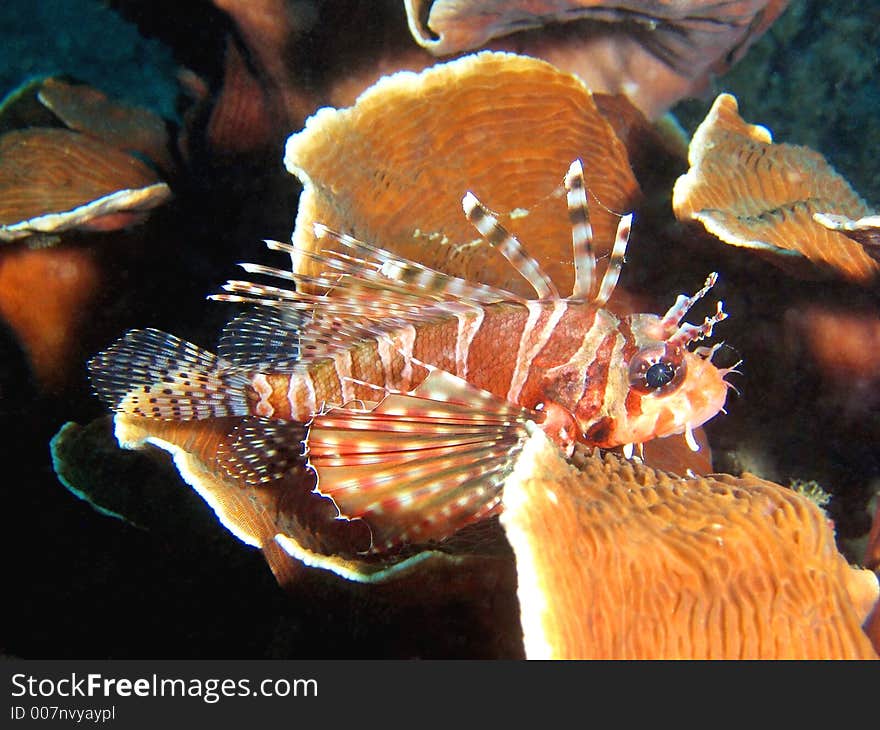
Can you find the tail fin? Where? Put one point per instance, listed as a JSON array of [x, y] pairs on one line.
[[153, 374]]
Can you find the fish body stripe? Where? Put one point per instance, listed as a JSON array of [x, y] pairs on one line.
[[301, 397], [506, 348], [385, 349], [538, 330], [491, 355], [263, 407], [469, 323], [342, 363], [574, 337], [596, 396], [629, 347], [407, 340]]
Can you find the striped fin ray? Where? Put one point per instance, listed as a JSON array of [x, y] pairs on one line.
[[507, 244], [263, 338], [262, 450], [414, 275], [581, 233], [152, 374], [615, 263], [421, 465], [355, 273], [582, 242], [348, 278], [343, 302]]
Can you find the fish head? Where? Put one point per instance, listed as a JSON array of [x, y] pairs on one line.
[[642, 381], [665, 389]]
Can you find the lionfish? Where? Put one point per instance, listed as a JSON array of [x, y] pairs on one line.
[[409, 392]]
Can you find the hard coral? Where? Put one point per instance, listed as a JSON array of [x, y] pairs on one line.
[[750, 192], [393, 168], [656, 52], [619, 561]]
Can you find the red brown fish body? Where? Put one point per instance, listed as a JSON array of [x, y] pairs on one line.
[[567, 356], [410, 392]]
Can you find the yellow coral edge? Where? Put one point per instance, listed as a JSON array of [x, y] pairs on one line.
[[191, 470], [121, 201], [529, 589]]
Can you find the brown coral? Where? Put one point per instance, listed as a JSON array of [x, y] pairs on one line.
[[616, 560], [656, 52], [55, 180], [750, 192]]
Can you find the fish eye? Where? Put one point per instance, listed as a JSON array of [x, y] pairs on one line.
[[659, 374], [656, 370]]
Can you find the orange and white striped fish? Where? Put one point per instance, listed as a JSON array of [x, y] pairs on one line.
[[410, 392]]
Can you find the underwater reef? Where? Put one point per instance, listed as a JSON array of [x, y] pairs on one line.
[[117, 557]]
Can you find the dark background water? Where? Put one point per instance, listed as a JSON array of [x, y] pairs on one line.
[[89, 40], [80, 584]]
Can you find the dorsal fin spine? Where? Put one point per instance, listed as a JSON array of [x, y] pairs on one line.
[[507, 244], [581, 233], [615, 263]]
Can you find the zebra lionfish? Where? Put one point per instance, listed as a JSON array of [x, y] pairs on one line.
[[409, 392]]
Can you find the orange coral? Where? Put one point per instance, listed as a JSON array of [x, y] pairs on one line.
[[54, 181], [44, 294], [750, 192], [393, 168], [616, 560]]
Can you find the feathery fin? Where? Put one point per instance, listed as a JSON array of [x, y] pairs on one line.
[[153, 374], [262, 450], [507, 244], [581, 233], [421, 465], [263, 338]]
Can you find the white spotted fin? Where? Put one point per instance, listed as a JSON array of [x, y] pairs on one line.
[[263, 338], [262, 450], [420, 465], [152, 374], [415, 467]]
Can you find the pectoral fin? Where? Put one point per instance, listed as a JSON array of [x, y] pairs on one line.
[[421, 465]]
